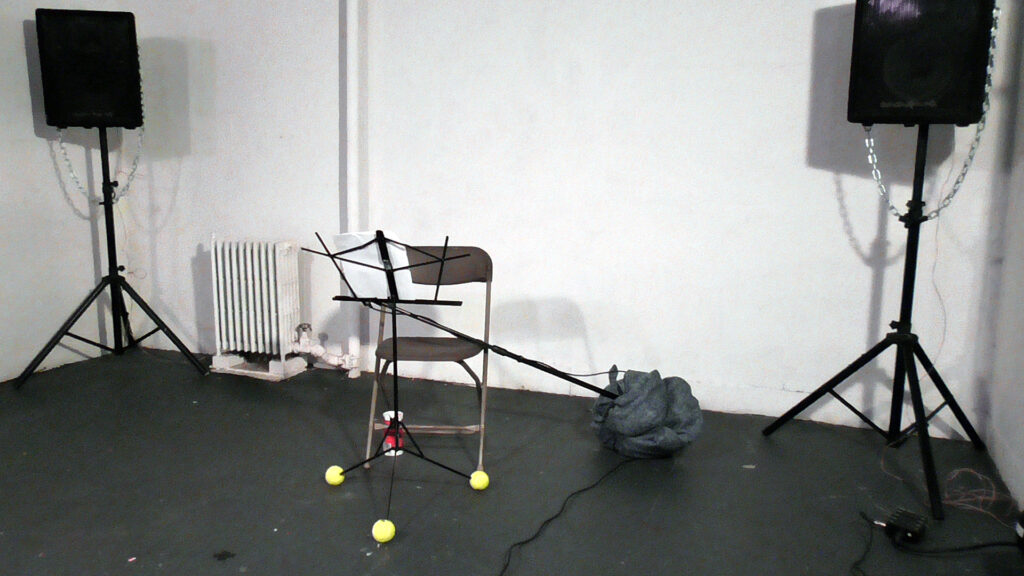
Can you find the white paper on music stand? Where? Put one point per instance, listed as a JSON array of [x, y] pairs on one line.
[[369, 282]]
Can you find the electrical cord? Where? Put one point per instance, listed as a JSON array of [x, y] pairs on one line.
[[855, 568], [561, 510], [904, 547]]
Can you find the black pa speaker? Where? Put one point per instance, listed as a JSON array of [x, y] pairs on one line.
[[89, 62], [919, 61]]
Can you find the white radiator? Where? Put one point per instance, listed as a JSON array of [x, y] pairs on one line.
[[256, 308]]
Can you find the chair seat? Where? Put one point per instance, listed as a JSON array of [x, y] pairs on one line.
[[428, 349]]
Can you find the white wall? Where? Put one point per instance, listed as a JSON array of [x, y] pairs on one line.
[[1000, 382], [242, 140], [673, 186], [663, 185]]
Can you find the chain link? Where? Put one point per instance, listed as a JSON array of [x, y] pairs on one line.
[[135, 162], [869, 141], [67, 162], [135, 165], [74, 175]]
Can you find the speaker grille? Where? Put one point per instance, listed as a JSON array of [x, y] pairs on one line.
[[89, 63], [919, 61]]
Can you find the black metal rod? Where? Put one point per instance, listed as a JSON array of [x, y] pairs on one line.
[[440, 268], [858, 413], [336, 265], [394, 361], [389, 271], [89, 342], [503, 352], [118, 311], [899, 379], [912, 220], [828, 386], [921, 422], [147, 334], [61, 332], [122, 283], [948, 397], [436, 463]]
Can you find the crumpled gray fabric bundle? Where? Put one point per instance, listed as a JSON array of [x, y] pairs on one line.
[[652, 417]]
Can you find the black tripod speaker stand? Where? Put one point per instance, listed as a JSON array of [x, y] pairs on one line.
[[908, 349], [123, 338]]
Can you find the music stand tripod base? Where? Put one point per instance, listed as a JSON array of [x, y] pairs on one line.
[[397, 440]]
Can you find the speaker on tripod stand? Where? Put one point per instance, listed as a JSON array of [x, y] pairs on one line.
[[919, 62], [914, 62], [89, 62]]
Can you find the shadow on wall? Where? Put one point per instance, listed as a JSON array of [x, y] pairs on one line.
[[202, 292], [168, 134], [165, 93], [836, 145], [997, 297], [552, 331]]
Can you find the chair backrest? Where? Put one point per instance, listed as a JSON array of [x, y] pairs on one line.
[[474, 265]]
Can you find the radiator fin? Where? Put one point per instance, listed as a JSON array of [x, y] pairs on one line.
[[256, 303]]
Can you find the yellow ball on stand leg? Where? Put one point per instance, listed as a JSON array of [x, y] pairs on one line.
[[479, 480], [335, 475], [383, 531]]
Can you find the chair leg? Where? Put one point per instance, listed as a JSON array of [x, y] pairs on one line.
[[481, 399], [483, 414]]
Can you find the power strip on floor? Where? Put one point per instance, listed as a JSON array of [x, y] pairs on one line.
[[905, 526]]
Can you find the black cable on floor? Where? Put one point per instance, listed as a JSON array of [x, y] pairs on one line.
[[855, 569], [903, 547], [565, 504]]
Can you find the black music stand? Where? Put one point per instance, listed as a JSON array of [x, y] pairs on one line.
[[907, 350], [396, 430], [123, 338], [393, 442]]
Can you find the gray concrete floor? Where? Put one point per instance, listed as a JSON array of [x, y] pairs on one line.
[[138, 465]]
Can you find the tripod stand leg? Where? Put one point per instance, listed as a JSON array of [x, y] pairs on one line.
[[948, 397], [828, 386], [123, 337], [921, 423], [61, 332], [156, 319], [418, 452], [898, 385]]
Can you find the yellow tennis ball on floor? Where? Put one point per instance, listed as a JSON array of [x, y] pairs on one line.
[[383, 531], [335, 475], [479, 480]]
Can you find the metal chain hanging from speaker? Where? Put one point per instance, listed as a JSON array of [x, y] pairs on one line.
[[74, 175], [131, 171], [869, 141]]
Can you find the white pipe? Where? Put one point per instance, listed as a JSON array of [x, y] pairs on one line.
[[355, 87], [305, 345]]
